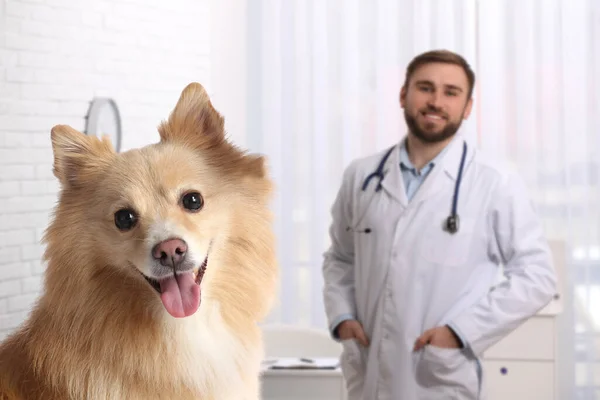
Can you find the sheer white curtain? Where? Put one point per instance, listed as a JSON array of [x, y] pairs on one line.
[[322, 84], [539, 98]]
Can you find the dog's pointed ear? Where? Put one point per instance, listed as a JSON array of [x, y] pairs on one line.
[[78, 157], [194, 120], [255, 175], [256, 166]]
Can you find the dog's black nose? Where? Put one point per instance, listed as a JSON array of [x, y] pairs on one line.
[[170, 252]]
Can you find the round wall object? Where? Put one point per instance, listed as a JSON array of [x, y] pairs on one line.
[[103, 118]]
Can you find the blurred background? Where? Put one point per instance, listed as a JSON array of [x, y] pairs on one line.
[[312, 84]]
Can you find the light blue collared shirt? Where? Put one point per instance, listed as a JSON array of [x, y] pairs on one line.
[[413, 179]]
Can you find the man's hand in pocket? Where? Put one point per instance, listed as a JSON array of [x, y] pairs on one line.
[[352, 329], [441, 336]]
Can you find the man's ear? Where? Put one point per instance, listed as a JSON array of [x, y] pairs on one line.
[[194, 119], [403, 96], [78, 157], [468, 108]]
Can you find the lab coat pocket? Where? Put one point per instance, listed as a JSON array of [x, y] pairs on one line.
[[444, 248], [447, 372], [352, 365]]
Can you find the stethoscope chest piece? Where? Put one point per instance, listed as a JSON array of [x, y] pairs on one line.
[[452, 223]]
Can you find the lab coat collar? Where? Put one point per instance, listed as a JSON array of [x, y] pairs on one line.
[[448, 161], [393, 182]]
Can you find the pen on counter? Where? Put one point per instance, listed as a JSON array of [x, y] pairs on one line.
[[308, 360]]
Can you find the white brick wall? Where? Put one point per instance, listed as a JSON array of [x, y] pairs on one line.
[[55, 56]]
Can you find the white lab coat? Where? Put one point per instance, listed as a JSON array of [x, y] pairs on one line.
[[408, 275]]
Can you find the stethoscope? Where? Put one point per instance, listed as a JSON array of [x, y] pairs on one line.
[[452, 224]]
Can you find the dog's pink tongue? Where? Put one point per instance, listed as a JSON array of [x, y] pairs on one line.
[[181, 295]]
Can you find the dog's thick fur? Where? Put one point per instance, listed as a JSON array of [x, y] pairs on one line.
[[99, 329]]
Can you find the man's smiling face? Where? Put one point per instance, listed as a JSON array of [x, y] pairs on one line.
[[435, 101]]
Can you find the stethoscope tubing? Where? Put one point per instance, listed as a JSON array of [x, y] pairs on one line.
[[452, 222]]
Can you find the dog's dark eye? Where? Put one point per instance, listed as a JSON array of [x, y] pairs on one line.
[[125, 219], [192, 201]]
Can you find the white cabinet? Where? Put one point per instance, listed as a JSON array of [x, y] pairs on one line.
[[522, 366]]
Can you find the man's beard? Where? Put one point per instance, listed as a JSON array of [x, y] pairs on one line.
[[430, 137]]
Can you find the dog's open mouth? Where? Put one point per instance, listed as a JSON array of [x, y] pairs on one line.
[[180, 293], [198, 274]]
